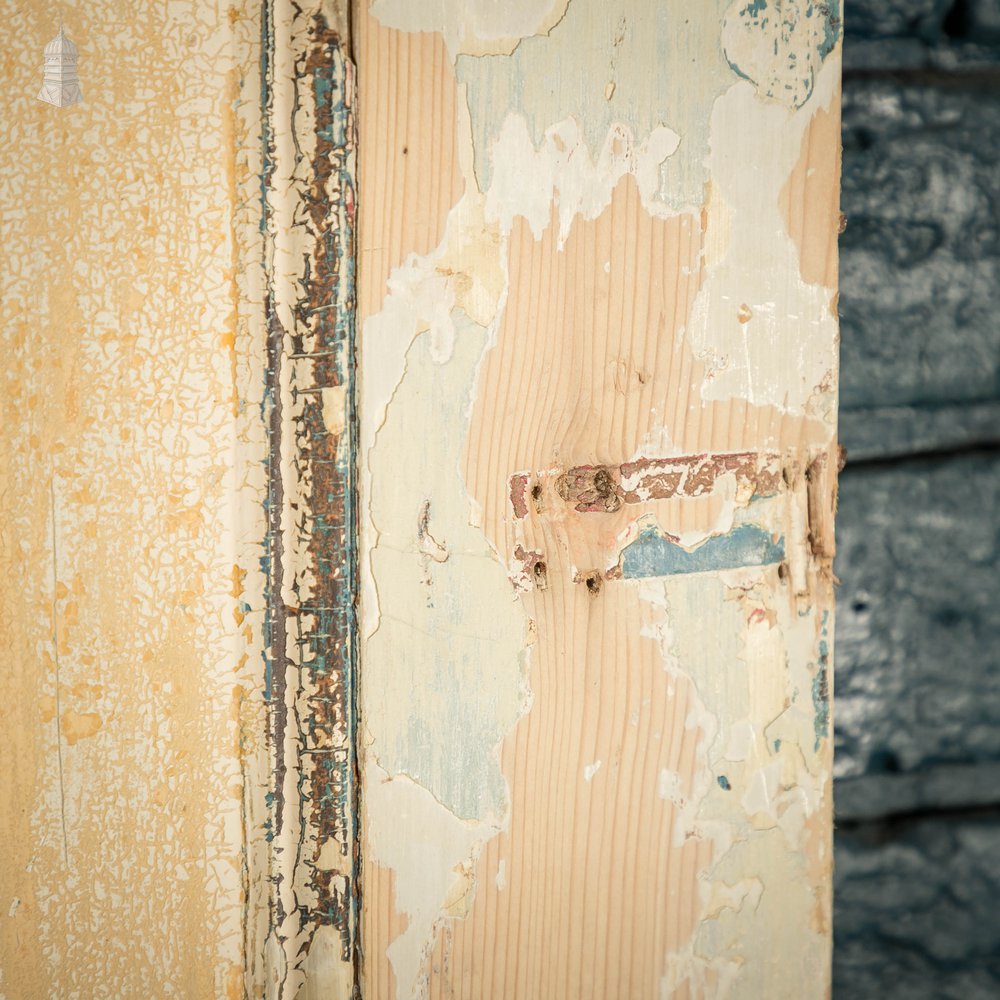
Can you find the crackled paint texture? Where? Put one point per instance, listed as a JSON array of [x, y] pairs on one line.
[[598, 405], [132, 505], [175, 405]]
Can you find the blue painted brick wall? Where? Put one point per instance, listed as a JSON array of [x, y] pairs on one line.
[[918, 638]]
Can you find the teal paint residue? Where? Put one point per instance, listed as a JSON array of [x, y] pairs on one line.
[[746, 545], [821, 702], [780, 51], [724, 783], [323, 808], [831, 26], [821, 684]]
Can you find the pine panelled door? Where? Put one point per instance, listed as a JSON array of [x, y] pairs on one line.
[[417, 520]]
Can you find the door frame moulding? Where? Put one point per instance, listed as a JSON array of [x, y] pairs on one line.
[[308, 222]]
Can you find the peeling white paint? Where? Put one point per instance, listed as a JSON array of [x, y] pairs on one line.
[[668, 787], [561, 173], [645, 48], [786, 350], [428, 861], [768, 792], [455, 644], [476, 27]]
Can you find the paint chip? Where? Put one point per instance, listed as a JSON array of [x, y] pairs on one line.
[[428, 544], [668, 787]]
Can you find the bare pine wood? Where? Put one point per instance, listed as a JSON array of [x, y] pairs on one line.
[[410, 179], [664, 833]]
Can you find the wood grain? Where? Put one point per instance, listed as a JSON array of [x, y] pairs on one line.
[[810, 199], [596, 890], [667, 820], [410, 179]]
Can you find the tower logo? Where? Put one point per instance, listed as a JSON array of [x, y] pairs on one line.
[[61, 85]]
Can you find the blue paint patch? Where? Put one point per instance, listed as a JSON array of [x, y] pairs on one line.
[[653, 555], [724, 783]]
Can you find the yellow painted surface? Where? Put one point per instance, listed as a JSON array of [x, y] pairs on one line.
[[130, 504]]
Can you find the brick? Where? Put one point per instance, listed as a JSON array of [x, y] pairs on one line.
[[915, 910], [952, 786], [917, 659], [895, 431], [895, 18], [977, 21], [920, 258]]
